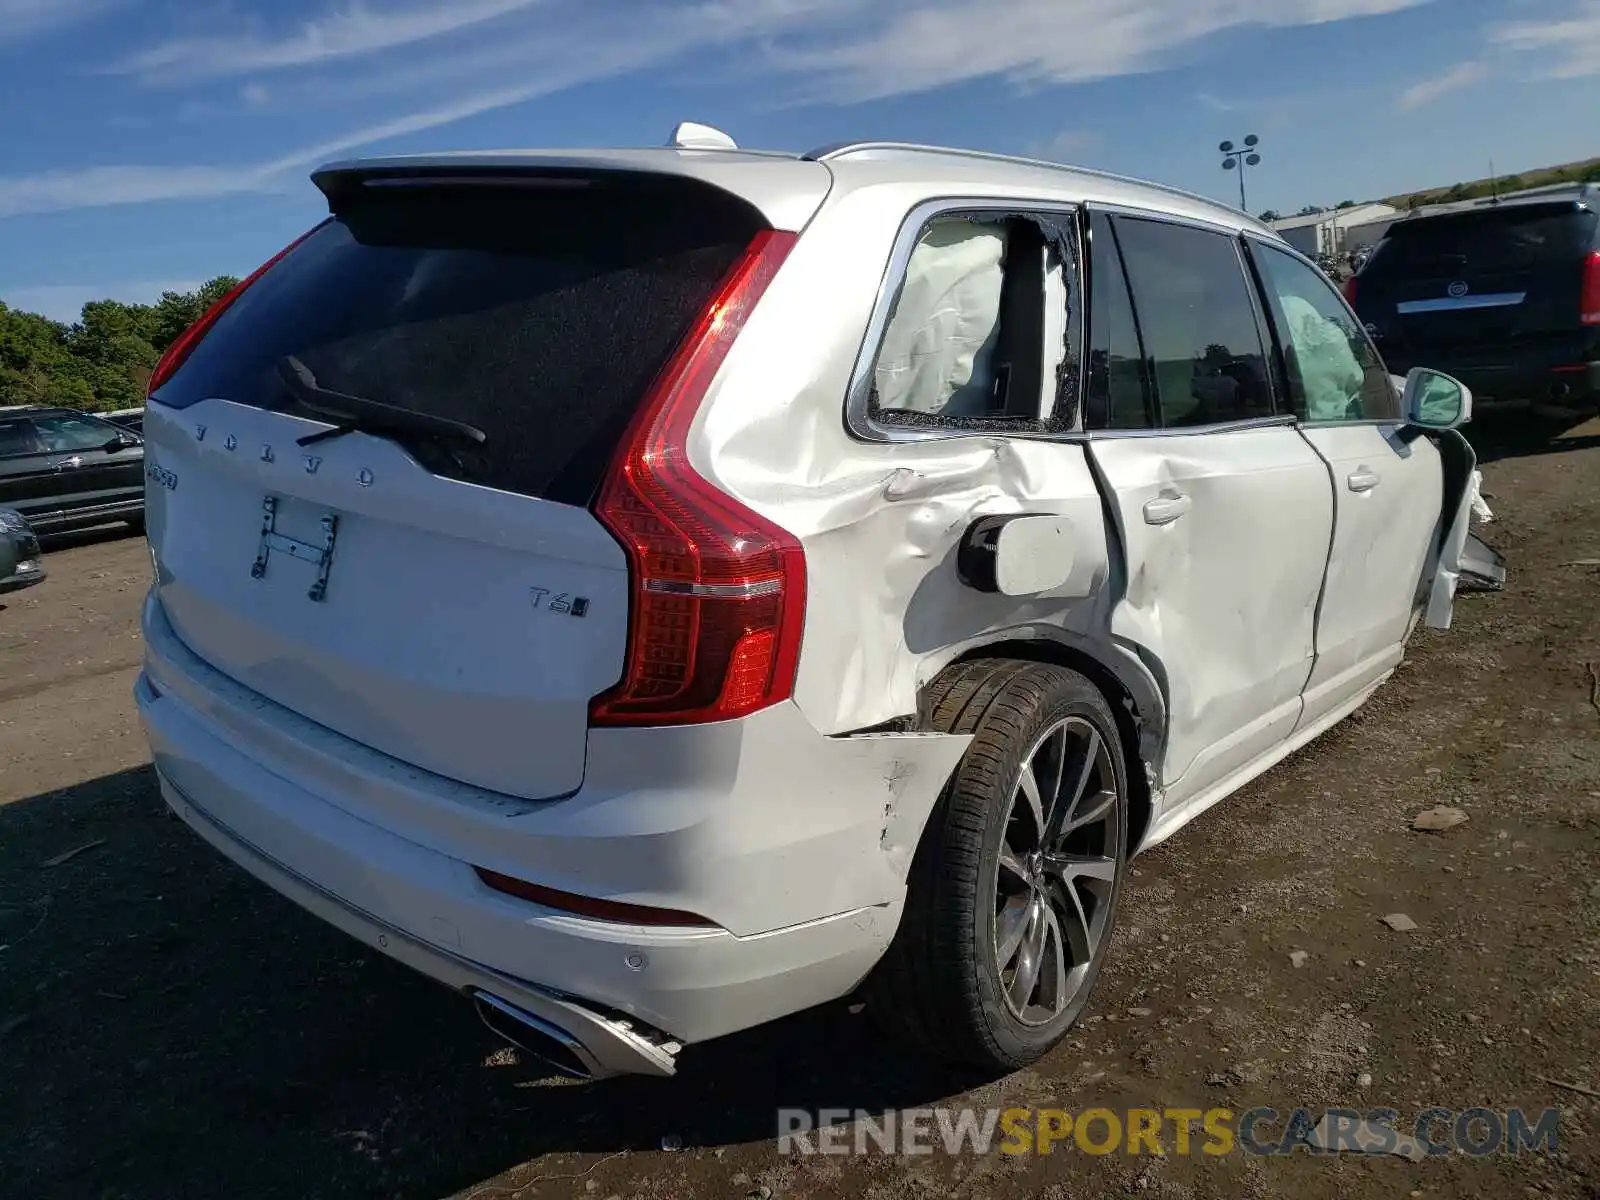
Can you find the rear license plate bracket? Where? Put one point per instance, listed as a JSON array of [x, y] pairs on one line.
[[318, 555]]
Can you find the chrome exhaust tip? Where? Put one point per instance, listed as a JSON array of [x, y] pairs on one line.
[[546, 1042]]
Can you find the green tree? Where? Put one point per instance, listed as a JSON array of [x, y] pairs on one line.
[[1270, 214], [103, 360], [1345, 204]]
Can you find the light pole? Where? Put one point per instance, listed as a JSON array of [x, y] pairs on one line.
[[1238, 158]]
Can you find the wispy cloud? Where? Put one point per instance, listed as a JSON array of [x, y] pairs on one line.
[[903, 46], [1427, 92], [26, 18], [90, 187], [1065, 146], [1216, 103], [1572, 42], [823, 51], [345, 33]]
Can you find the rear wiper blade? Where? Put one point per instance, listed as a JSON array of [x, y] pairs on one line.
[[357, 413]]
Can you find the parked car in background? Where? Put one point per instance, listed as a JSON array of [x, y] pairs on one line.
[[883, 595], [21, 564], [128, 418], [1505, 297], [63, 469]]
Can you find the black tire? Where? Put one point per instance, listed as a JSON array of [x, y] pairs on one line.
[[940, 985]]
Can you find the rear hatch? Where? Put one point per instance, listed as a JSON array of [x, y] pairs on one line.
[[1479, 287], [451, 603]]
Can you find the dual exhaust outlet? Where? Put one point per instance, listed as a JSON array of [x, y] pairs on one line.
[[613, 1046]]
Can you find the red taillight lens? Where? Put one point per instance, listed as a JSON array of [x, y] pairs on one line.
[[1350, 291], [184, 346], [718, 592], [1591, 289]]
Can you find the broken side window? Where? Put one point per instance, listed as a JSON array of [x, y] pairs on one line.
[[983, 329]]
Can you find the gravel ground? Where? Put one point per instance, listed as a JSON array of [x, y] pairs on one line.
[[170, 1028]]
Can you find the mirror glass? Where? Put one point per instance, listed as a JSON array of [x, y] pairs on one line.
[[1436, 400]]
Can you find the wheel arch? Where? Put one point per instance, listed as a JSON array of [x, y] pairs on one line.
[[1130, 687]]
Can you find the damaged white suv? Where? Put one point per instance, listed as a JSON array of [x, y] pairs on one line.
[[657, 591]]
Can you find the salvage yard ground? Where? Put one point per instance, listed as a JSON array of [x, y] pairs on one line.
[[170, 1028]]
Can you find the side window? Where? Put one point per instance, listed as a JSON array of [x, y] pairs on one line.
[[983, 329], [64, 434], [17, 437], [1198, 321], [1118, 393], [1334, 372]]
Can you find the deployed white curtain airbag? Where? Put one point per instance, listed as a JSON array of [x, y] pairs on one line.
[[1328, 366], [936, 352], [1055, 332]]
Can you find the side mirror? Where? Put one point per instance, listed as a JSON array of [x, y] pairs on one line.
[[1433, 400]]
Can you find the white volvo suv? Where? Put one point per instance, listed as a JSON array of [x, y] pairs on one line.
[[654, 592]]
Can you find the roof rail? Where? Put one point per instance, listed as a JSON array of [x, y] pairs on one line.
[[839, 150]]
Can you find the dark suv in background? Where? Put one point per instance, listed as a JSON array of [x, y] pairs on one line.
[[1505, 297], [63, 469]]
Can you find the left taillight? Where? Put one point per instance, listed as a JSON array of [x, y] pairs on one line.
[[186, 341]]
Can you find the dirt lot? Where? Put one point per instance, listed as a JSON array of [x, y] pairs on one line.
[[169, 1028]]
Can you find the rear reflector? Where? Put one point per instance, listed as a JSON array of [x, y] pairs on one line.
[[717, 591], [186, 341], [586, 906], [1590, 304]]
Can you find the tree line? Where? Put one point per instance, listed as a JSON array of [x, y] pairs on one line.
[[102, 361]]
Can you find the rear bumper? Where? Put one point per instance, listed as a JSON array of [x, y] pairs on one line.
[[20, 579], [30, 567], [1510, 375], [807, 895]]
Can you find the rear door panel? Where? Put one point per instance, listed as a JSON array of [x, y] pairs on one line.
[[1225, 594]]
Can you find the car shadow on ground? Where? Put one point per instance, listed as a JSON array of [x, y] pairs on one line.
[[171, 1027], [1512, 434]]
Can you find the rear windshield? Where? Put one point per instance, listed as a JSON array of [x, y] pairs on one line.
[[1484, 242], [538, 313]]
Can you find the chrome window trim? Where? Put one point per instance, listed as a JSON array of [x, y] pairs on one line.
[[857, 420], [857, 412], [1272, 422], [1454, 303]]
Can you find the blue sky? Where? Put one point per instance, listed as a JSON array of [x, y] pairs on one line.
[[155, 143]]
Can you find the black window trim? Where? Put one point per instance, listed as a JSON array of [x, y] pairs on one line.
[[1254, 241], [857, 410], [1151, 405], [1282, 415]]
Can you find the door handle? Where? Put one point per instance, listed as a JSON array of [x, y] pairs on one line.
[[1363, 480], [1164, 510], [68, 464]]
